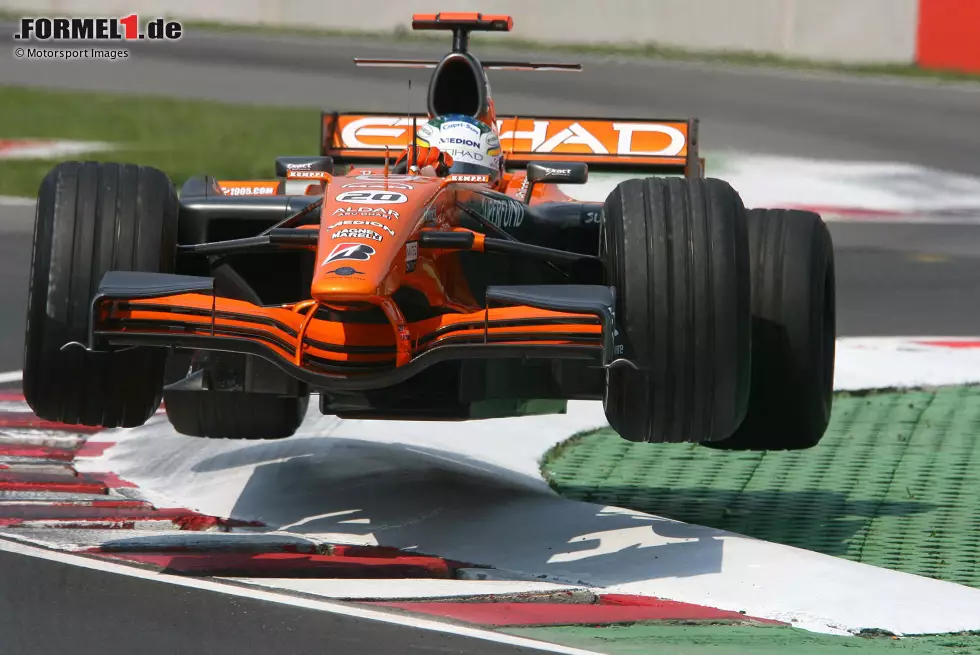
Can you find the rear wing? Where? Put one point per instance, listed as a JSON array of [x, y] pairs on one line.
[[667, 146]]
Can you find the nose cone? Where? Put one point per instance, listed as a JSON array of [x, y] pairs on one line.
[[365, 222], [349, 271]]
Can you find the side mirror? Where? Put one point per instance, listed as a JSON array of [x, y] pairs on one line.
[[319, 164], [555, 173]]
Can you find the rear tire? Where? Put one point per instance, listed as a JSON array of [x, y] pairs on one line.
[[235, 414], [677, 254], [793, 332], [92, 218]]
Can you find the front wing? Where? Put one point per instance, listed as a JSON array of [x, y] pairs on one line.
[[308, 342]]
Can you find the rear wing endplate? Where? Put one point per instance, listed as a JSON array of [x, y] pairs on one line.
[[667, 146]]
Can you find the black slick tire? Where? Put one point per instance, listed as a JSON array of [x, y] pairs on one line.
[[234, 414], [91, 218], [676, 252], [793, 332]]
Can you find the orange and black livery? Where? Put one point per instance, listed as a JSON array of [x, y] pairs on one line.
[[392, 293]]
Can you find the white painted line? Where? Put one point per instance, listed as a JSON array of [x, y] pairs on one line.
[[410, 589], [11, 376], [21, 149], [31, 437], [14, 406], [882, 362], [16, 201], [285, 599]]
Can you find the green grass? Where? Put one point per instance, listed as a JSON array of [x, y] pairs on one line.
[[695, 639], [181, 137]]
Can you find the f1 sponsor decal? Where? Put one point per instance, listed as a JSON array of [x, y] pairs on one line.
[[305, 166], [527, 135], [502, 213], [373, 197], [563, 172], [460, 154], [522, 193], [306, 175], [423, 136], [367, 211], [461, 177], [380, 226], [378, 131], [355, 251], [378, 185], [493, 145], [411, 255], [357, 233], [453, 125], [344, 271], [462, 142], [248, 190], [593, 137]]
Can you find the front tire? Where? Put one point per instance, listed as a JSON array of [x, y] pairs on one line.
[[793, 332], [676, 252], [234, 414], [92, 218]]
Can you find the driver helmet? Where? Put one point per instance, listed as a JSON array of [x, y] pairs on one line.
[[472, 144]]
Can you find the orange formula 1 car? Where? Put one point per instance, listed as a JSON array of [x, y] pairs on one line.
[[431, 267]]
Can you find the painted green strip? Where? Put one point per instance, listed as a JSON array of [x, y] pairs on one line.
[[742, 640], [895, 483]]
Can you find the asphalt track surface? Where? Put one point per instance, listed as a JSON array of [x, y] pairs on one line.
[[99, 613], [892, 279]]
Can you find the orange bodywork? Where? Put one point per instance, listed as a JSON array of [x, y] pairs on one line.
[[368, 221]]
